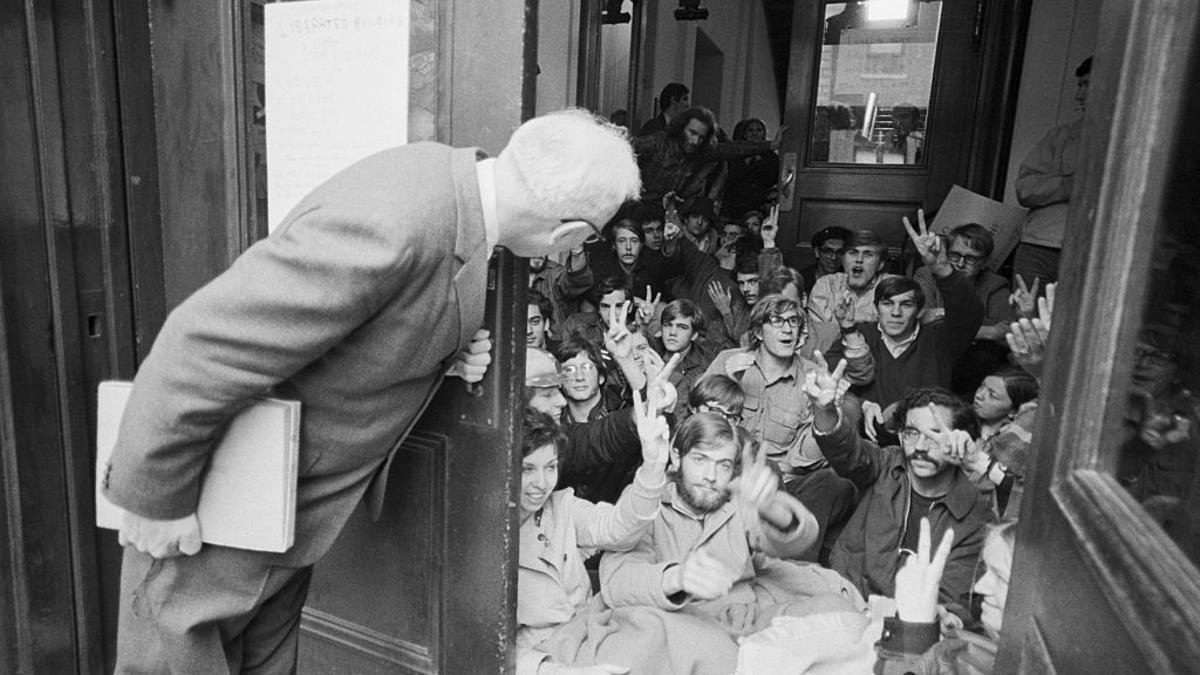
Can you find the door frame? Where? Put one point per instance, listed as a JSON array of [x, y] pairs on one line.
[[1150, 585]]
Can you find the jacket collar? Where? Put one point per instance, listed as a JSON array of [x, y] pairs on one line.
[[959, 499]]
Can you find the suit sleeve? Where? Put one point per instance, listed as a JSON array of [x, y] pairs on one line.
[[281, 306]]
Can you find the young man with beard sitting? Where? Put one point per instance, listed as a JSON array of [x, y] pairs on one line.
[[713, 564], [899, 486]]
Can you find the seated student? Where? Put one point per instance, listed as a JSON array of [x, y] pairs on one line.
[[683, 333], [827, 246], [777, 412], [969, 248], [714, 563], [698, 224], [717, 393], [559, 531], [698, 277], [651, 216], [1006, 403], [611, 295], [539, 328], [911, 642], [862, 270], [897, 486], [601, 454], [564, 285], [623, 254], [907, 354]]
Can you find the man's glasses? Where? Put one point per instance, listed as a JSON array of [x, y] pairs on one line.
[[596, 234], [571, 369], [913, 436], [732, 417], [960, 259], [776, 321]]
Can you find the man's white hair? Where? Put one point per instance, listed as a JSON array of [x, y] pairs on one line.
[[574, 164]]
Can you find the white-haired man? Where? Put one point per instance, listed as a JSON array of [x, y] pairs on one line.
[[370, 290]]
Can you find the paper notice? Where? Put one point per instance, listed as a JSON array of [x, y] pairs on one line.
[[336, 90]]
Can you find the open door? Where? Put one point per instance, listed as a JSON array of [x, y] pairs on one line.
[[889, 104], [1105, 577]]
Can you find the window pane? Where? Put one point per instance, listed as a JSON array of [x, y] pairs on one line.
[[875, 82], [1161, 440]]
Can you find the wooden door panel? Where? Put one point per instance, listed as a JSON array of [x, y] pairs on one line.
[[882, 217], [374, 600]]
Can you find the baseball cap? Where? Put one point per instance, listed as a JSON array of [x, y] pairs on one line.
[[541, 369]]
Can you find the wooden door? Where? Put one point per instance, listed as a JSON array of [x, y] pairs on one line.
[[858, 88], [1105, 577]]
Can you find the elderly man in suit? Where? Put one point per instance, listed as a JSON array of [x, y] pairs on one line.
[[359, 303]]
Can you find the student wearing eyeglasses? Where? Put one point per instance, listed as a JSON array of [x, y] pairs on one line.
[[900, 486], [969, 250], [776, 409]]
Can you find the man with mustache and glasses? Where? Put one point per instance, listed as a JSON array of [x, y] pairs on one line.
[[900, 486]]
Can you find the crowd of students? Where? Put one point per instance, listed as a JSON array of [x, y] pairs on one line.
[[716, 442]]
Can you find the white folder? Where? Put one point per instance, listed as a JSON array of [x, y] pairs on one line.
[[248, 491]]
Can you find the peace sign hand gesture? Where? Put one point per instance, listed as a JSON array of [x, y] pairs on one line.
[[770, 227], [757, 483], [652, 430], [825, 388], [929, 246], [646, 308], [843, 310], [920, 576], [616, 338]]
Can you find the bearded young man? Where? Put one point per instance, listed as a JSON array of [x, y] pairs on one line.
[[715, 563]]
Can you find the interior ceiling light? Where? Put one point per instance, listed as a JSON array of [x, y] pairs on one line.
[[690, 10], [887, 10]]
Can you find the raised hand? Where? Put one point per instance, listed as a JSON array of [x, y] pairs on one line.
[[720, 296], [616, 338], [160, 538], [1027, 338], [821, 385], [1024, 298], [963, 450], [647, 307], [843, 310], [652, 430], [872, 415], [929, 246], [770, 227], [662, 384], [672, 223], [757, 483], [700, 575], [920, 576]]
